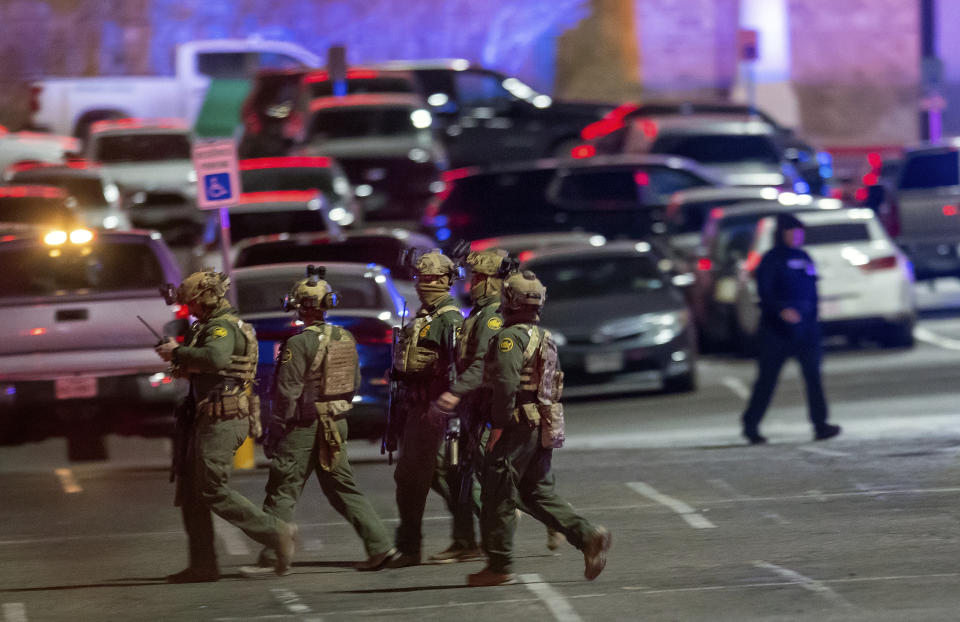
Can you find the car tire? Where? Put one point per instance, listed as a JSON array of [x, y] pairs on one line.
[[683, 383], [898, 336]]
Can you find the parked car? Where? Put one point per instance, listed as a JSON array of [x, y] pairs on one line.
[[865, 283], [46, 206], [620, 322], [387, 146], [523, 245], [75, 359], [304, 173], [922, 213], [150, 162], [688, 209], [724, 247], [97, 202], [264, 213], [72, 105], [369, 308], [615, 196], [378, 245], [35, 147]]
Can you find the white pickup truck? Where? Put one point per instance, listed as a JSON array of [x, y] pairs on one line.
[[71, 105]]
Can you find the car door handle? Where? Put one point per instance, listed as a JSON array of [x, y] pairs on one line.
[[72, 315]]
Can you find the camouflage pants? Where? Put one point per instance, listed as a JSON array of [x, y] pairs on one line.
[[204, 488], [516, 473], [297, 456]]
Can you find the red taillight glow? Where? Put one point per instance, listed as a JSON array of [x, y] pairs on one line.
[[456, 173], [950, 210], [524, 256], [880, 263], [581, 152], [372, 335], [704, 264], [649, 129], [870, 179], [255, 164], [861, 194], [43, 192], [753, 260], [641, 178], [611, 122], [352, 74], [38, 331], [278, 196], [181, 312]]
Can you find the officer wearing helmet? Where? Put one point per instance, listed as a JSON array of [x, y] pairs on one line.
[[526, 421], [220, 411], [317, 374], [425, 350]]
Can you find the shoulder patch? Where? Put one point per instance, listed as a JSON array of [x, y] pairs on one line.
[[218, 332], [494, 323], [287, 355], [506, 344], [424, 331]]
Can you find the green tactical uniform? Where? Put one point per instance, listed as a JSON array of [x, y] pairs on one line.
[[517, 469], [315, 441], [211, 361], [416, 471], [482, 325]]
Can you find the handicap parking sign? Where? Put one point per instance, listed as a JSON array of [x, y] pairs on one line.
[[216, 187]]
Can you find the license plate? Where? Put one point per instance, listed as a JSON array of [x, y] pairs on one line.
[[75, 387], [603, 362]]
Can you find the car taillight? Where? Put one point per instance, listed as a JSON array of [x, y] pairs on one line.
[[581, 152], [704, 264], [880, 263], [372, 333], [753, 260], [181, 312]]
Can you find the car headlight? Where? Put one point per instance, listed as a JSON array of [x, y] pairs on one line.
[[111, 222], [111, 193]]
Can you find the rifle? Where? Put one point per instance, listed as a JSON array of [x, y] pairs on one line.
[[184, 415], [452, 434], [473, 408], [396, 413]]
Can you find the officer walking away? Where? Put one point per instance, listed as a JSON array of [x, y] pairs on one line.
[[220, 411], [526, 426], [424, 352], [787, 286], [317, 374]]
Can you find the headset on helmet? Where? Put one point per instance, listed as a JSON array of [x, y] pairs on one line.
[[206, 287], [311, 293], [523, 289]]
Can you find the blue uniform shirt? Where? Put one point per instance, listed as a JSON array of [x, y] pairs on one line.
[[787, 278]]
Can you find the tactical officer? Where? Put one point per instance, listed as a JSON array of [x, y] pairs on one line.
[[220, 359], [421, 359], [787, 286], [524, 374], [317, 374]]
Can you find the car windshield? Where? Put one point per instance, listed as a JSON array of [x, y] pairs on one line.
[[718, 148], [583, 278], [836, 233], [360, 122], [280, 179], [260, 294], [87, 191], [142, 147], [691, 216], [384, 251], [96, 268], [380, 84], [248, 225], [930, 170], [734, 237], [35, 210]]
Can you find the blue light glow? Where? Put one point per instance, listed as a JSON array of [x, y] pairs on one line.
[[443, 234], [801, 187]]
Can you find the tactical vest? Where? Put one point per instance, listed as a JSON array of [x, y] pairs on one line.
[[467, 350], [409, 356], [237, 400], [243, 366], [541, 376], [331, 379]]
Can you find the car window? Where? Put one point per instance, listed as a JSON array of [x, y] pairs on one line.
[[930, 170], [572, 279], [618, 186], [35, 210], [836, 233], [719, 148], [381, 84], [480, 89], [691, 216], [96, 268], [87, 191], [664, 180], [734, 237], [273, 60], [279, 179], [249, 225], [378, 250], [360, 122], [142, 147], [265, 294], [484, 206], [225, 64]]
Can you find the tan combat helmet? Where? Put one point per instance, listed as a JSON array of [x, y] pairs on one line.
[[311, 293], [522, 289], [486, 262], [436, 263], [206, 288]]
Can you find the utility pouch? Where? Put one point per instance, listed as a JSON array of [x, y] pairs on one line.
[[531, 413], [256, 424], [233, 403], [331, 443], [551, 425]]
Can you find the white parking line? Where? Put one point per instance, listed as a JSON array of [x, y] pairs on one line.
[[234, 540], [738, 387], [687, 513], [69, 483], [14, 612], [824, 452], [555, 602], [934, 339], [743, 586], [805, 582], [290, 600]]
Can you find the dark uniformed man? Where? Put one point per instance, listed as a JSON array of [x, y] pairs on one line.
[[220, 359], [317, 374], [787, 286], [524, 374], [421, 361]]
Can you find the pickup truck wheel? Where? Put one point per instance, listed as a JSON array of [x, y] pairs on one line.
[[82, 127]]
